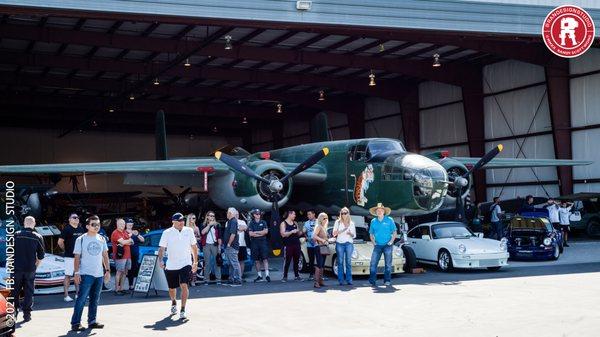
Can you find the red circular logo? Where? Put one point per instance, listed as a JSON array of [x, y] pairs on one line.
[[568, 31]]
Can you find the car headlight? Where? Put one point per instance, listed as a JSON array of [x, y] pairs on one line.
[[547, 241], [462, 248], [398, 252], [354, 255], [503, 244]]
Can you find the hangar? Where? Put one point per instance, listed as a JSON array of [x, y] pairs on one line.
[[81, 81]]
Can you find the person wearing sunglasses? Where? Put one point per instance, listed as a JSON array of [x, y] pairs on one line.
[[211, 242], [344, 231], [67, 242], [320, 238], [90, 271], [190, 221]]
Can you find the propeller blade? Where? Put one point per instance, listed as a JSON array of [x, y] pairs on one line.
[[485, 159], [310, 161], [184, 193], [275, 235], [169, 193], [238, 166]]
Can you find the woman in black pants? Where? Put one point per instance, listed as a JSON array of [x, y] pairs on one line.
[[291, 244]]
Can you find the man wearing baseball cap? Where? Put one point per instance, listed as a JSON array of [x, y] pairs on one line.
[[383, 233], [259, 247], [180, 242]]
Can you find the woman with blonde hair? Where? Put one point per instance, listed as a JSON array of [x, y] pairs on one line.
[[211, 247], [321, 240], [344, 231], [190, 221]]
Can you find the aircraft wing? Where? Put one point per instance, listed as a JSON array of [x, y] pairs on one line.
[[517, 163], [150, 166]]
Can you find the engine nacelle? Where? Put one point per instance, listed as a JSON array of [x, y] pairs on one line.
[[454, 169], [245, 193]]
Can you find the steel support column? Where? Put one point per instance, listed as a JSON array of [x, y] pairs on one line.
[[559, 101], [409, 111], [473, 109]]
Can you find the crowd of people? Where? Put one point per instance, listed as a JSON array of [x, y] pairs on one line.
[[224, 245]]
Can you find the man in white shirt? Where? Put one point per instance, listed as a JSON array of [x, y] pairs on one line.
[[552, 207], [564, 212], [180, 243]]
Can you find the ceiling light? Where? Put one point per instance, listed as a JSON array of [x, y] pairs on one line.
[[94, 123], [436, 61], [131, 97], [244, 121], [321, 95], [187, 63], [279, 108], [111, 110], [156, 82], [228, 45], [191, 137], [372, 79], [214, 129]]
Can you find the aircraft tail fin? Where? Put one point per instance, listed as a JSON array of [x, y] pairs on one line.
[[161, 136], [319, 129]]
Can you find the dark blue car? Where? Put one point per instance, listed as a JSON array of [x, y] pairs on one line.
[[533, 238]]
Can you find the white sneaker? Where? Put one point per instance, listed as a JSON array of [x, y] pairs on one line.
[[68, 299], [182, 315], [174, 310]]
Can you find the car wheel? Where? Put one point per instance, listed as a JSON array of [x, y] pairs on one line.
[[302, 266], [494, 268], [556, 253], [411, 259], [444, 260], [593, 228], [335, 266]]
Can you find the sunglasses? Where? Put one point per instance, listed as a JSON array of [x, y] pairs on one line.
[[325, 219], [74, 217], [344, 213], [193, 218], [211, 215], [95, 224]]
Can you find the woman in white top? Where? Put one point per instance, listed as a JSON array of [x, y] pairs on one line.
[[344, 231], [243, 251]]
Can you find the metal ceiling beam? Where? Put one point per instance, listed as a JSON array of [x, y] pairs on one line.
[[388, 89], [452, 74]]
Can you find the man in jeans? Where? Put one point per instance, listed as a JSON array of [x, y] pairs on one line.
[[91, 266], [66, 242], [383, 233], [309, 228], [496, 211], [232, 245]]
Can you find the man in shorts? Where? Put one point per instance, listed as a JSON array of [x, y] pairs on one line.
[[121, 249], [259, 247], [182, 262], [67, 242]]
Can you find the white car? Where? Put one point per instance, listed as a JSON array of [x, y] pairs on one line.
[[49, 276], [453, 245]]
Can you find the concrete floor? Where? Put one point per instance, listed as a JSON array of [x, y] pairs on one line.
[[525, 299]]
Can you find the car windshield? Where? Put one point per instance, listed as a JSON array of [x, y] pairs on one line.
[[451, 230]]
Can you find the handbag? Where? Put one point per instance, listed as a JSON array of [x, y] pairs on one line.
[[120, 252], [324, 250]]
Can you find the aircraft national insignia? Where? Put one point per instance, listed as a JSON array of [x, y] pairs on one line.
[[361, 185]]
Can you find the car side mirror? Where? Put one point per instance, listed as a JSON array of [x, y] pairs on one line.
[[479, 235], [426, 237]]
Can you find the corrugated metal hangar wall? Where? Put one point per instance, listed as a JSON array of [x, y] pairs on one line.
[[515, 104]]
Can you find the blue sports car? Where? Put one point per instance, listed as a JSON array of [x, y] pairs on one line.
[[533, 238]]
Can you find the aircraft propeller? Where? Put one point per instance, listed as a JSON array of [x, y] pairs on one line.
[[461, 182], [274, 183]]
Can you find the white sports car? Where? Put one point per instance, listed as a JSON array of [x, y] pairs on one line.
[[453, 245]]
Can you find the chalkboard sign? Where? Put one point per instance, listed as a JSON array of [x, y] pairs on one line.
[[145, 275]]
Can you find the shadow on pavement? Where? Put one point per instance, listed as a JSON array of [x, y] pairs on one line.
[[165, 323]]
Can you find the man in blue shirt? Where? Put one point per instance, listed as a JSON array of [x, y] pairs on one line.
[[496, 211], [383, 233], [309, 228]]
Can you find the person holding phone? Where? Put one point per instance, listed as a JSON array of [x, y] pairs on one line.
[[211, 242], [344, 232]]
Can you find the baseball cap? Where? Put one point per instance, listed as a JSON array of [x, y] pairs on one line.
[[73, 216], [255, 211], [129, 220], [177, 217]]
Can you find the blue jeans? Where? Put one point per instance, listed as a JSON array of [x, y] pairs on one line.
[[344, 260], [89, 286], [386, 250], [497, 229]]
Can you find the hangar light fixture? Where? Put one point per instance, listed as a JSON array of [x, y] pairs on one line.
[[436, 61], [187, 63], [244, 121], [111, 110], [156, 82], [321, 95], [228, 45], [94, 123], [279, 108], [214, 129], [381, 47], [372, 79], [131, 97]]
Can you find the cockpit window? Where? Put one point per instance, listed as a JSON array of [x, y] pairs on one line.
[[379, 150]]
